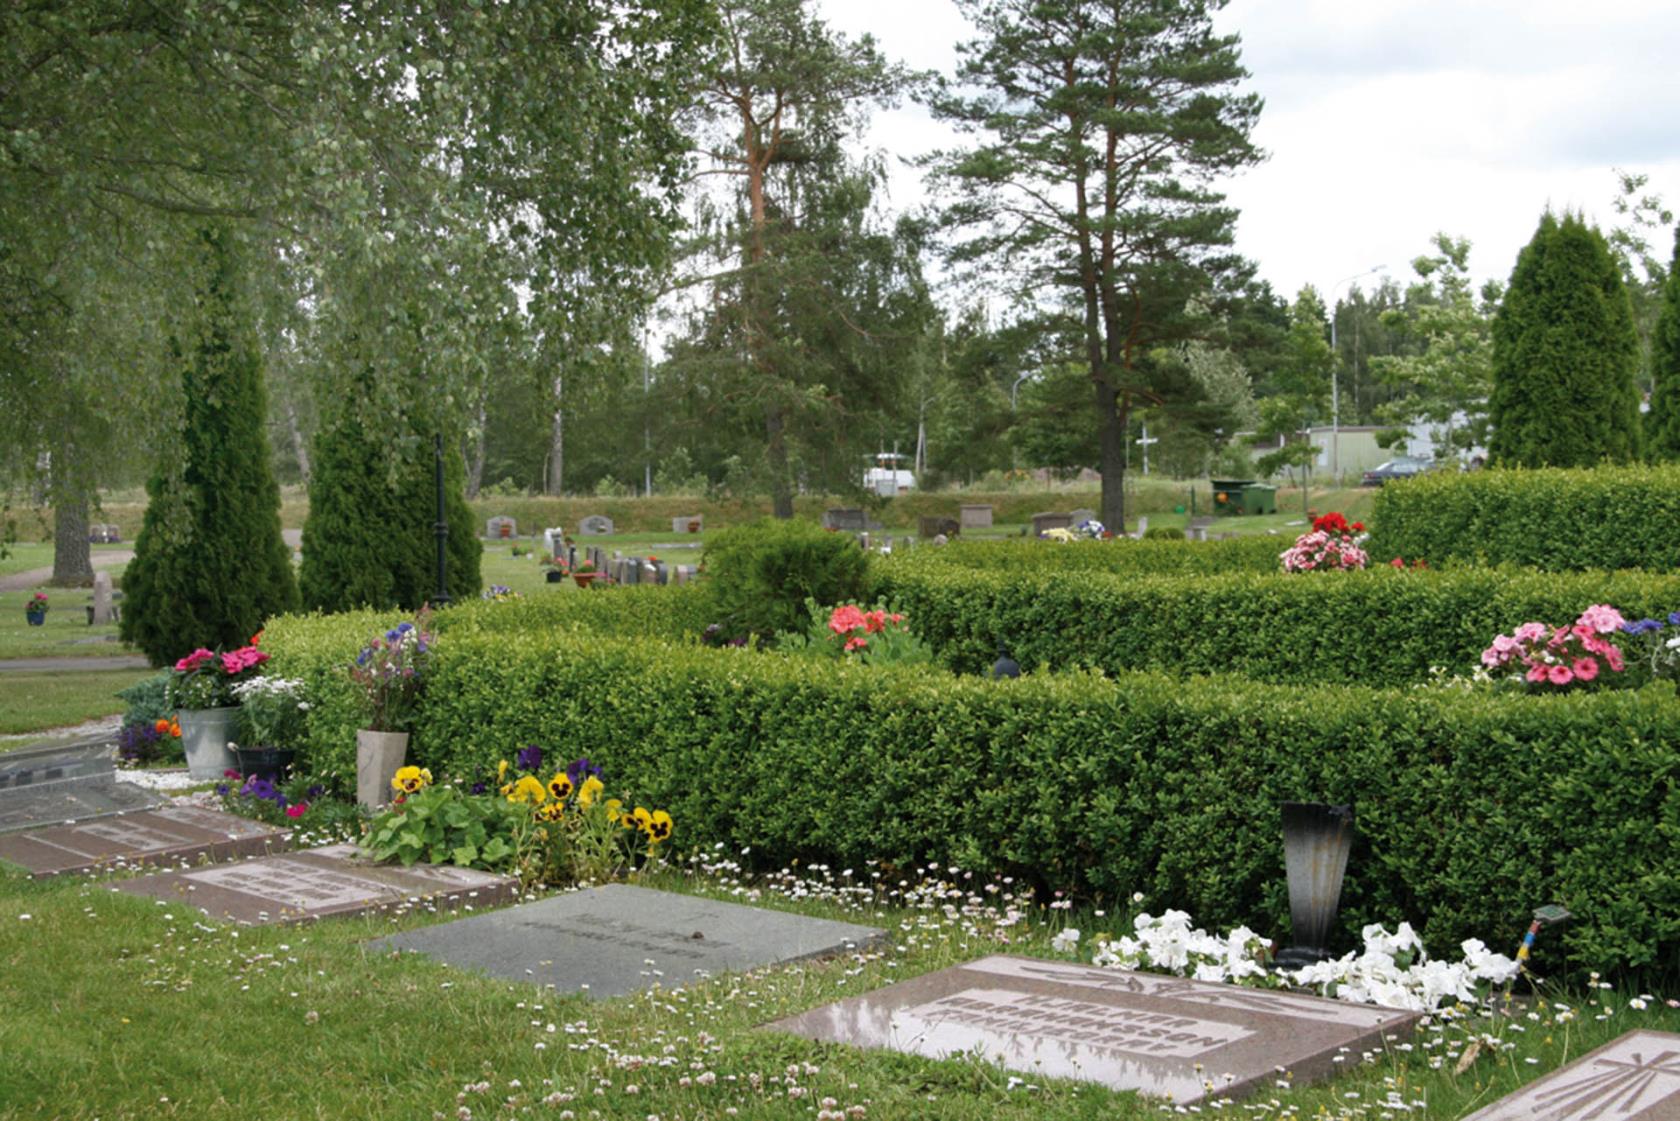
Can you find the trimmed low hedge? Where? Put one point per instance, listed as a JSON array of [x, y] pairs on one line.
[[1377, 627], [1151, 556], [1558, 520], [1471, 808]]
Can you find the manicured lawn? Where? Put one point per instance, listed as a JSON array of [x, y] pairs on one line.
[[32, 702], [125, 1008]]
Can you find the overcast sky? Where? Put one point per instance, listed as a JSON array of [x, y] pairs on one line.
[[1387, 120]]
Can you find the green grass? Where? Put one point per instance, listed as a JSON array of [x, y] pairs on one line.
[[66, 632], [119, 1008], [33, 702]]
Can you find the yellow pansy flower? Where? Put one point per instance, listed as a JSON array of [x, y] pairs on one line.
[[410, 780], [528, 789], [641, 819], [658, 827], [560, 787], [589, 791], [551, 812]]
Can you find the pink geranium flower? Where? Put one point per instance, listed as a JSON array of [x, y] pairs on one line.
[[1602, 618], [1586, 668], [195, 659], [1560, 675]]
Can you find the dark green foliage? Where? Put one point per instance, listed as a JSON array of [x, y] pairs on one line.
[[1662, 424], [1378, 627], [1470, 808], [1608, 517], [371, 542], [1163, 533], [148, 700], [1564, 355], [762, 573], [210, 565]]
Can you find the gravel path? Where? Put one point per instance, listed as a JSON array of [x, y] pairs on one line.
[[73, 665], [19, 581]]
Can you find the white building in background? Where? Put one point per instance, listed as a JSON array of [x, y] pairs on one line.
[[886, 478]]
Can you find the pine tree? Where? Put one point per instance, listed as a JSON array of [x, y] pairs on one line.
[[210, 565], [371, 536], [1564, 355], [1662, 425]]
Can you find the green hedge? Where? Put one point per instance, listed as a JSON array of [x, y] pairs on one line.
[[1026, 555], [1377, 627], [1471, 808], [1606, 517]]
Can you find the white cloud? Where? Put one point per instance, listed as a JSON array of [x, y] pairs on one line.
[[1387, 120]]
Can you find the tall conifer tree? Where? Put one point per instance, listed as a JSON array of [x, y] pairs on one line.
[[210, 564], [1662, 425], [1564, 355]]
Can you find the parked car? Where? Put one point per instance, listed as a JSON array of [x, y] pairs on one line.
[[1400, 467]]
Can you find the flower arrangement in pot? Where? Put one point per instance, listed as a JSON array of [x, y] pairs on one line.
[[36, 609], [201, 690], [274, 713], [584, 572], [557, 568], [390, 672], [1333, 544]]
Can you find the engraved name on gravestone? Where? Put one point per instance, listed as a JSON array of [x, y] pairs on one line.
[[1162, 1036], [314, 883], [617, 939], [1635, 1077], [168, 833]]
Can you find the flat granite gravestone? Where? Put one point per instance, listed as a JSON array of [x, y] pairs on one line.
[[619, 939], [316, 883], [1162, 1036], [1635, 1077], [163, 835]]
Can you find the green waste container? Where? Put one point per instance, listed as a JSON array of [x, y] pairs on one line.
[[1259, 498], [1228, 495]]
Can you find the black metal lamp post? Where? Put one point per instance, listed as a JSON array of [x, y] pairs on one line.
[[1005, 666], [442, 527], [1316, 842]]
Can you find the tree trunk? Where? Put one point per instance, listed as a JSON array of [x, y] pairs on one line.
[[72, 559], [556, 447], [475, 462], [1112, 410], [781, 487], [300, 446]]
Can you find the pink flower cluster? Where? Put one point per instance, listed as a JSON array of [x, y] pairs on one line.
[[855, 624], [234, 662], [1323, 549], [1560, 656]]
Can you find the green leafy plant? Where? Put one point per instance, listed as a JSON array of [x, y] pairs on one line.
[[441, 824], [761, 574]]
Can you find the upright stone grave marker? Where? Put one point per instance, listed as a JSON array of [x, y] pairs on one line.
[[101, 599], [164, 835], [928, 527], [617, 939], [596, 525], [500, 526], [316, 883], [1162, 1036], [689, 523], [847, 520], [1042, 523], [1635, 1077], [975, 517]]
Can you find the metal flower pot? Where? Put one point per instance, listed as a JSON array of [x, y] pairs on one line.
[[205, 735], [271, 763]]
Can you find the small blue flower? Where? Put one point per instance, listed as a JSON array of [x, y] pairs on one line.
[[403, 628], [579, 769], [1674, 618], [317, 790], [478, 788], [530, 758], [1642, 626]]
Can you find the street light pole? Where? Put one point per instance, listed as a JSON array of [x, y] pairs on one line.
[[1335, 395]]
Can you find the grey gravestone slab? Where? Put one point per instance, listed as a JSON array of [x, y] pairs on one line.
[[316, 883], [1042, 523], [101, 598], [72, 800], [692, 523], [596, 525], [163, 835], [847, 519], [976, 517], [52, 760], [1635, 1077], [501, 526], [619, 939], [1163, 1036]]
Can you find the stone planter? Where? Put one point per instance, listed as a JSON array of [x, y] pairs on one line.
[[378, 756], [205, 734]]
